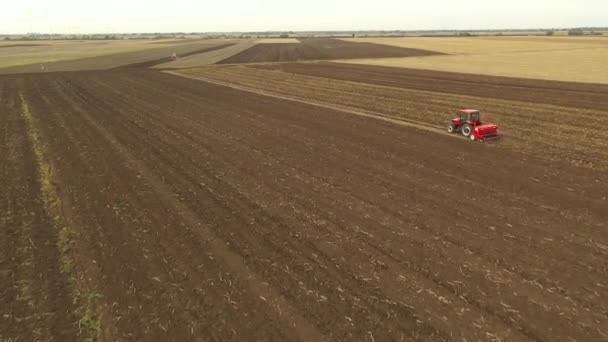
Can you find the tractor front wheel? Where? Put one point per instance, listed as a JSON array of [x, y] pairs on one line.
[[451, 128], [467, 130]]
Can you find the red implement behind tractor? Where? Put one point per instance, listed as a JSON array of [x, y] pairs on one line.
[[468, 122]]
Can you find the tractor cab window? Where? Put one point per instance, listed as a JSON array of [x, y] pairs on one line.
[[475, 116], [464, 117]]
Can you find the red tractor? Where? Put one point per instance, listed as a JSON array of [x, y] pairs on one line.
[[470, 125]]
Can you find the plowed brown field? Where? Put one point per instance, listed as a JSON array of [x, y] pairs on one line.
[[550, 131], [204, 212], [584, 95], [320, 49]]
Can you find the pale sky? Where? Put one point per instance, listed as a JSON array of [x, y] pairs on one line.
[[78, 16]]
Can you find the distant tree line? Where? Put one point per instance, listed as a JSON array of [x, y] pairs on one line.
[[576, 32]]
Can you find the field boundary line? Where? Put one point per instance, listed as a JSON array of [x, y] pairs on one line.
[[344, 109]]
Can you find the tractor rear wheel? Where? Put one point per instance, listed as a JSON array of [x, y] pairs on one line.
[[466, 130], [451, 128]]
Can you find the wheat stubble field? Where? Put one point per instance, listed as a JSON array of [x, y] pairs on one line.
[[303, 201]]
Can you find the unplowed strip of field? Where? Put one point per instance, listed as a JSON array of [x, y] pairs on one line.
[[156, 55], [544, 130], [35, 302], [166, 59], [583, 95], [320, 49], [207, 58], [218, 214]]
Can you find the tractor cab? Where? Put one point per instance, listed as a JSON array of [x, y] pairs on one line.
[[468, 122], [470, 116]]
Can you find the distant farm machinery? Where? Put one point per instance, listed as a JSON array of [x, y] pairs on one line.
[[468, 122]]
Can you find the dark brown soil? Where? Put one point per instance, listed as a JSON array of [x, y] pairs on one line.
[[320, 49], [217, 214], [583, 95]]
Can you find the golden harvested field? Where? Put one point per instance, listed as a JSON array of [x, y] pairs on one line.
[[553, 58], [489, 45]]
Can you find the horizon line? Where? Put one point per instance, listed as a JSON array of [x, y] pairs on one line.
[[318, 31]]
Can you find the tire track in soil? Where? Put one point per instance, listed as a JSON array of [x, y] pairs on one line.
[[378, 116]]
